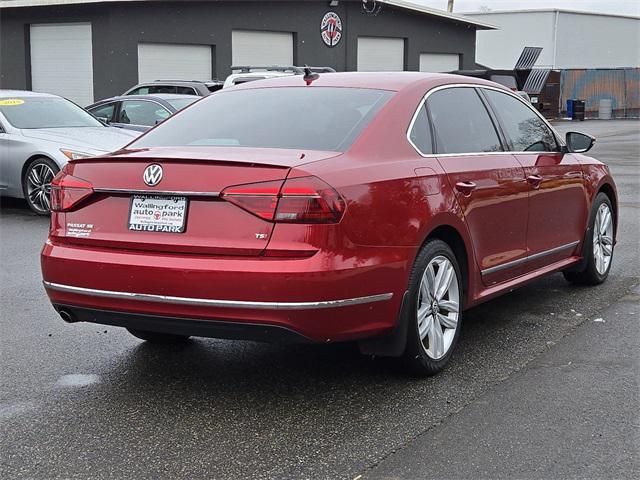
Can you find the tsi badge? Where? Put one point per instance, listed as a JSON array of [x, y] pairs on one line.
[[152, 175]]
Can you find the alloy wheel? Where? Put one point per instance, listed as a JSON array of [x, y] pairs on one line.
[[39, 186], [603, 239], [438, 307]]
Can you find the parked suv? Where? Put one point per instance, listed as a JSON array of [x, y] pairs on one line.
[[249, 73], [180, 87]]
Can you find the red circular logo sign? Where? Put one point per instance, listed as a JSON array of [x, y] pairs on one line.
[[331, 29]]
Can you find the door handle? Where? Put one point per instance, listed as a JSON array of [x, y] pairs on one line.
[[534, 180], [573, 174], [465, 187]]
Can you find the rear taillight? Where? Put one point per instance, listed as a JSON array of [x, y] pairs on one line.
[[260, 199], [309, 200], [67, 191], [297, 200]]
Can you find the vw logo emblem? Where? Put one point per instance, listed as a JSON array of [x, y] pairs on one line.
[[152, 175]]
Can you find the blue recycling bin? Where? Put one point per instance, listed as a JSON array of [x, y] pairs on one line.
[[570, 108]]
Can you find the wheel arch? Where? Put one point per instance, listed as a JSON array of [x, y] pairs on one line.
[[443, 229], [456, 241], [608, 189], [32, 159]]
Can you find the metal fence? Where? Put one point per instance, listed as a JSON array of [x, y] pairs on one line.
[[620, 85]]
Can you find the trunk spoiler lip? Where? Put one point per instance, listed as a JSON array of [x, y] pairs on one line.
[[250, 156]]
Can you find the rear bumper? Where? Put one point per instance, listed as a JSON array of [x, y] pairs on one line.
[[182, 326], [322, 298]]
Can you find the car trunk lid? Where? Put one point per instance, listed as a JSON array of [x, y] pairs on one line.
[[191, 177]]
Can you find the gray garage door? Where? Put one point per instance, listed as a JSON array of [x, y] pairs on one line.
[[377, 54], [439, 62], [250, 47], [167, 61], [62, 60]]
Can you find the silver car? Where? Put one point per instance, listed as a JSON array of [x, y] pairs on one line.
[[39, 134]]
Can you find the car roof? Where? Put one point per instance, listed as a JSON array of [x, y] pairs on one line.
[[149, 96], [24, 93], [394, 81], [262, 73], [181, 82], [485, 71]]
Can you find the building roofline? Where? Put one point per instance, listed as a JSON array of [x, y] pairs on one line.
[[394, 3], [44, 3], [553, 10], [439, 13]]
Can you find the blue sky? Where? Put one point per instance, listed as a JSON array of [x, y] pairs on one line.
[[623, 7]]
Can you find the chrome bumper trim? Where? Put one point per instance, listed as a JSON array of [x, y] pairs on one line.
[[147, 297], [176, 193], [530, 258]]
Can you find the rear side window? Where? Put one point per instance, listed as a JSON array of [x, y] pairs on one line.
[[151, 89], [461, 122], [180, 103], [186, 91], [420, 134], [139, 91], [524, 129], [162, 89], [314, 118]]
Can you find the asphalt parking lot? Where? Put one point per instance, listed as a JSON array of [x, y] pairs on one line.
[[543, 384]]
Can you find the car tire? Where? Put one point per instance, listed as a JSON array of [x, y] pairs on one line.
[[157, 337], [36, 184], [598, 247], [432, 337]]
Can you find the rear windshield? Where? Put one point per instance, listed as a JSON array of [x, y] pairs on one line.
[[45, 112], [180, 103], [313, 118]]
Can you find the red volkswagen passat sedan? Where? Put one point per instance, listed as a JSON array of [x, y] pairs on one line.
[[360, 206]]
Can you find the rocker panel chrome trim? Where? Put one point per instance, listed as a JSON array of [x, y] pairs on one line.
[[530, 258]]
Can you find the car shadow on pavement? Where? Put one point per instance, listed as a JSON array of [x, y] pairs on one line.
[[15, 206], [499, 328]]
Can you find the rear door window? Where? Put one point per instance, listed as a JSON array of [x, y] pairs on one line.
[[525, 130], [141, 112], [461, 122], [104, 112]]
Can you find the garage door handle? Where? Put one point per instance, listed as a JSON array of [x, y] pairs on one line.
[[465, 187]]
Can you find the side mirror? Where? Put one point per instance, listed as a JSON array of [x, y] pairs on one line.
[[104, 120], [579, 142]]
